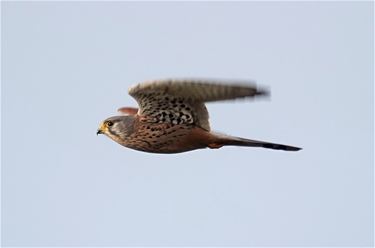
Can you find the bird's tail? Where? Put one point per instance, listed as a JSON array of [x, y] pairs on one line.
[[226, 140]]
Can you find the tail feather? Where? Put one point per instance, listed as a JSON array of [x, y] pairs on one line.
[[236, 141]]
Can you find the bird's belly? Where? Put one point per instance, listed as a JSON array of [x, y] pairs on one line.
[[182, 140]]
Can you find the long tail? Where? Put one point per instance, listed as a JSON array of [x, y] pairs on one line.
[[224, 140]]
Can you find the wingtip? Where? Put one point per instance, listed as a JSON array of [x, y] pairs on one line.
[[290, 148], [263, 92], [281, 147], [295, 149]]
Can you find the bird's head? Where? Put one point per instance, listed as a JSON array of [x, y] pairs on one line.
[[117, 128]]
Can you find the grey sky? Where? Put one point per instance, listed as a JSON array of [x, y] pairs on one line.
[[67, 66]]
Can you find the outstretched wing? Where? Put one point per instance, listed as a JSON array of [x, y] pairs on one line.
[[128, 110], [182, 101]]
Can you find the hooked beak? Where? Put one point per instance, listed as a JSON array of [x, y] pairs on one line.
[[99, 132]]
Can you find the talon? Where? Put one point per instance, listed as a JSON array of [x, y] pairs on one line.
[[214, 145]]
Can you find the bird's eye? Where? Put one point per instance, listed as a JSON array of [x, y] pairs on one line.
[[109, 123]]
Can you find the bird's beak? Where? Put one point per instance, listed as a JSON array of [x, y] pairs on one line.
[[99, 132]]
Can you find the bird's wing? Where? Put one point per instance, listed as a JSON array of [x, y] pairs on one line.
[[181, 101], [128, 110]]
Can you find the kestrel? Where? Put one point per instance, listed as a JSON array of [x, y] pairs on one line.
[[172, 117]]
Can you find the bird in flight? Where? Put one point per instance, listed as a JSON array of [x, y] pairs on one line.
[[172, 117]]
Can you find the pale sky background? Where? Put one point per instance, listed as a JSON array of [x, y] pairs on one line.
[[67, 66]]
